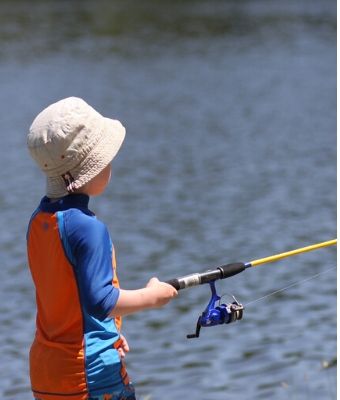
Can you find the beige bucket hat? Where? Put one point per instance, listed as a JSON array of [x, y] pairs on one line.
[[72, 143]]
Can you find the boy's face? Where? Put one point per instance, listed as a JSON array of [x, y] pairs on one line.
[[98, 184]]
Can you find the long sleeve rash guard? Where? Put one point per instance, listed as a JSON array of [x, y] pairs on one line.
[[72, 263]]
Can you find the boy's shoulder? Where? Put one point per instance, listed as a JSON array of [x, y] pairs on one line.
[[83, 233], [83, 222], [77, 224]]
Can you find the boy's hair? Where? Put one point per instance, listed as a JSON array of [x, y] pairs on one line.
[[72, 143]]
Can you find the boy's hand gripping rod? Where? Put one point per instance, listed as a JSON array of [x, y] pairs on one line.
[[227, 313]]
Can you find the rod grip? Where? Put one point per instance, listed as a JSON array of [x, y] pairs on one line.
[[174, 282], [231, 269], [225, 271]]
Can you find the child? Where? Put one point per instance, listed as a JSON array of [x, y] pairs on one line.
[[78, 350]]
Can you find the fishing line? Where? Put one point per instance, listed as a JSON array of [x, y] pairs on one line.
[[290, 286]]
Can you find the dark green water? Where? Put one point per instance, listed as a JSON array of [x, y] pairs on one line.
[[230, 109]]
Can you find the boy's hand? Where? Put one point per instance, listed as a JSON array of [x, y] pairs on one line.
[[123, 346], [162, 292]]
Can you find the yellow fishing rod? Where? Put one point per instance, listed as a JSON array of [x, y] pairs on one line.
[[226, 313], [225, 271], [295, 252]]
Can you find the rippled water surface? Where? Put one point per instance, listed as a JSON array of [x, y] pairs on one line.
[[230, 155]]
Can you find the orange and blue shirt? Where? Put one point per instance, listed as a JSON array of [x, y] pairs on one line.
[[71, 258]]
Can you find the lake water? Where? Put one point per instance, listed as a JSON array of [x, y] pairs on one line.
[[230, 155]]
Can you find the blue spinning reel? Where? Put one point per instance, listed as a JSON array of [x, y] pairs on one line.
[[217, 315]]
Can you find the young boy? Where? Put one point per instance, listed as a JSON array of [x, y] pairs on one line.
[[78, 350]]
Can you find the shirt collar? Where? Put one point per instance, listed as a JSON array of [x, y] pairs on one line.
[[80, 201]]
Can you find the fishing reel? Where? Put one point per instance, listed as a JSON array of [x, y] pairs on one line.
[[217, 315]]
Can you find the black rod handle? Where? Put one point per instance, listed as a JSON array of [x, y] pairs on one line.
[[174, 282], [223, 272], [232, 269]]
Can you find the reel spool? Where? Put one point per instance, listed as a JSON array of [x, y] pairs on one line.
[[217, 315]]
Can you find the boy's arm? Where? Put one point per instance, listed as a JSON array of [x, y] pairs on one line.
[[155, 294]]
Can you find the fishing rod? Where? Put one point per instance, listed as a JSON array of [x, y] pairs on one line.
[[226, 313]]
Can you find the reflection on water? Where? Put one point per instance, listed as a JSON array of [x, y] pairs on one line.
[[230, 155], [115, 26]]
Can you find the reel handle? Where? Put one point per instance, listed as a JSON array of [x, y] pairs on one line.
[[198, 328]]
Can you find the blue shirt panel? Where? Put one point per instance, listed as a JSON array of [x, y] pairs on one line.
[[90, 249]]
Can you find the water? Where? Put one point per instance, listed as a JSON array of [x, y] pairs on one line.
[[230, 155]]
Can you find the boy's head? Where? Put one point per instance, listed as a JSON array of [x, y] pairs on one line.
[[72, 143]]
